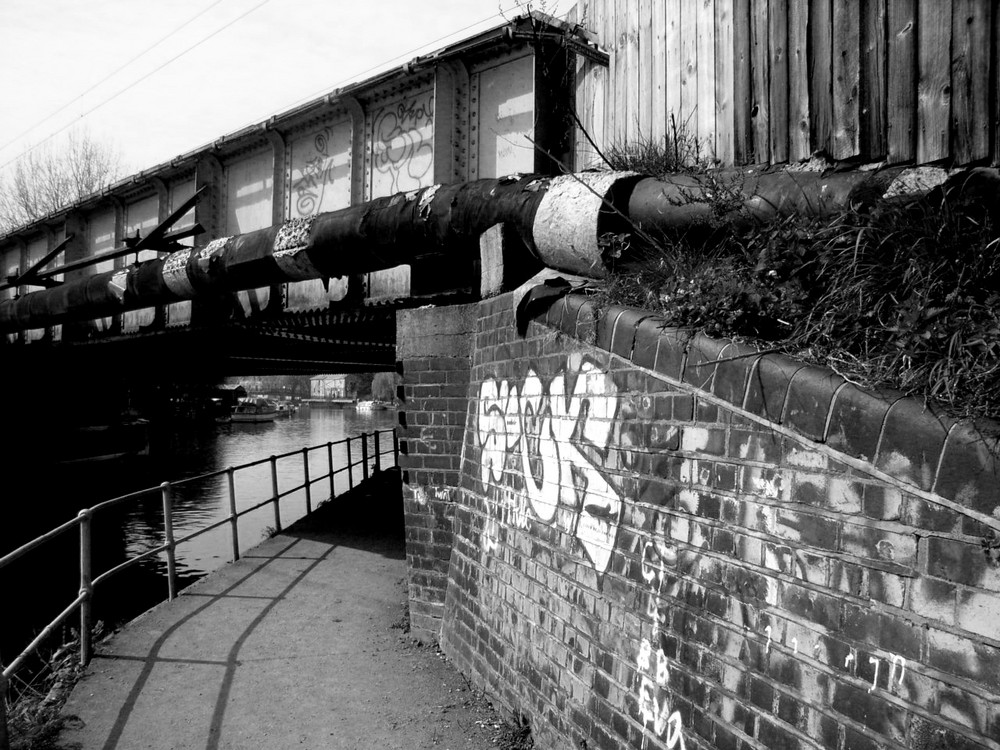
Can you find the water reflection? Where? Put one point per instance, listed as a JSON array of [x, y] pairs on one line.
[[46, 580], [201, 503]]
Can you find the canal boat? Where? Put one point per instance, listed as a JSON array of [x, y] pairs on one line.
[[102, 443], [372, 406], [255, 410]]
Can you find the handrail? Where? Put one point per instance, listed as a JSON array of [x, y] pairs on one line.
[[85, 518]]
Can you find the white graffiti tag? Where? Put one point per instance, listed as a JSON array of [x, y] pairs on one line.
[[556, 439]]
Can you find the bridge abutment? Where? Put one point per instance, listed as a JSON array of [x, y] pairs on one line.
[[435, 348], [636, 538]]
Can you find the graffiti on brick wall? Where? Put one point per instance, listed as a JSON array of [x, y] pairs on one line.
[[308, 190], [735, 615], [402, 148], [546, 455]]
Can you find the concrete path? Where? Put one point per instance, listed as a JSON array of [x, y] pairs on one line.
[[298, 645]]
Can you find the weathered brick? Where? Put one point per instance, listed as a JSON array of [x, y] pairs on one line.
[[879, 544], [755, 444], [912, 441], [965, 710], [829, 732], [624, 334], [964, 657], [888, 588], [774, 736], [934, 598], [647, 337], [856, 418], [970, 469], [819, 608], [702, 353], [768, 385], [958, 561], [810, 394], [856, 740], [761, 694], [884, 503], [606, 326], [870, 709], [979, 612], [732, 373], [929, 516], [586, 322]]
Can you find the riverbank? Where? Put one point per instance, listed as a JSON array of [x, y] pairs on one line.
[[302, 643]]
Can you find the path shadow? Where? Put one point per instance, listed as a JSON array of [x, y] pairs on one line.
[[368, 517]]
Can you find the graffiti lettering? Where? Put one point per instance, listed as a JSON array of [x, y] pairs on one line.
[[315, 175], [654, 705], [401, 148], [892, 669], [876, 662], [552, 442], [674, 735]]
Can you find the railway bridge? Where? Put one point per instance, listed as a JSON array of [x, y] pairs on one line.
[[630, 536]]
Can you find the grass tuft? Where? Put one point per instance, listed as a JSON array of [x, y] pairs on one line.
[[887, 294]]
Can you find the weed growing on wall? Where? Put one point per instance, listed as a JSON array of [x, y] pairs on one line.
[[678, 151], [888, 294]]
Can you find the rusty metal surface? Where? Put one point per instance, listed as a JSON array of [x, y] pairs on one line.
[[440, 223]]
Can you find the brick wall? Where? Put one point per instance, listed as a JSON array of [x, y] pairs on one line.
[[668, 543], [434, 347]]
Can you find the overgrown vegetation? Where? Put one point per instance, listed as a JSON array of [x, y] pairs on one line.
[[888, 294], [37, 697], [515, 735]]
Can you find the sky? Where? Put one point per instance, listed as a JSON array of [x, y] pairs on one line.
[[100, 66]]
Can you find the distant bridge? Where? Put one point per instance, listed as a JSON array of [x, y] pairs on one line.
[[490, 105]]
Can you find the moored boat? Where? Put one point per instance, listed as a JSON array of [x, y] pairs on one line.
[[372, 406], [255, 410]]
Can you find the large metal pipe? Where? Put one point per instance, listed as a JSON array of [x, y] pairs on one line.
[[561, 220]]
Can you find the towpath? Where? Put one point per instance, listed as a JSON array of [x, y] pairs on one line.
[[300, 644]]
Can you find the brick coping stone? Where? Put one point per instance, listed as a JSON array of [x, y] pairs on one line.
[[898, 436]]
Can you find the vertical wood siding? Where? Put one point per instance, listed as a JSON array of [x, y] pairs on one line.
[[772, 81]]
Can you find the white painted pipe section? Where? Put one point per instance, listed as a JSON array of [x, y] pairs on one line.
[[566, 227]]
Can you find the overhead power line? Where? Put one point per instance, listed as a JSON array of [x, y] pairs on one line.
[[113, 73], [501, 13], [136, 82], [355, 76]]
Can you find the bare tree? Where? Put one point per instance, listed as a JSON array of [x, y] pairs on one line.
[[50, 177], [384, 386]]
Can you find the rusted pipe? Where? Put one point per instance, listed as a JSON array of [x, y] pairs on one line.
[[561, 220]]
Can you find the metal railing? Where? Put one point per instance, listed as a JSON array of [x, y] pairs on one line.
[[84, 521]]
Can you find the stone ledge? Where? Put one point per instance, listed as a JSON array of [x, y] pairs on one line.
[[895, 434]]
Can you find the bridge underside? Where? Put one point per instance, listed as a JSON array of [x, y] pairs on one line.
[[322, 341]]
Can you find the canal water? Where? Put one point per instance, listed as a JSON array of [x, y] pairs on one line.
[[36, 588]]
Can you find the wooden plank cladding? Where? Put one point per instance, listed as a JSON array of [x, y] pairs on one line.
[[773, 81]]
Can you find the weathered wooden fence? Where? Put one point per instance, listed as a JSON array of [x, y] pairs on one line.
[[759, 81]]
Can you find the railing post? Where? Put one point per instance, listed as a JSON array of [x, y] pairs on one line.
[[395, 448], [168, 533], [350, 466], [305, 474], [86, 587], [274, 489], [233, 520], [364, 455], [378, 453], [4, 737], [329, 459]]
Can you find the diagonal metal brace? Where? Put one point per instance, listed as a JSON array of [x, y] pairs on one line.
[[31, 275], [159, 239]]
